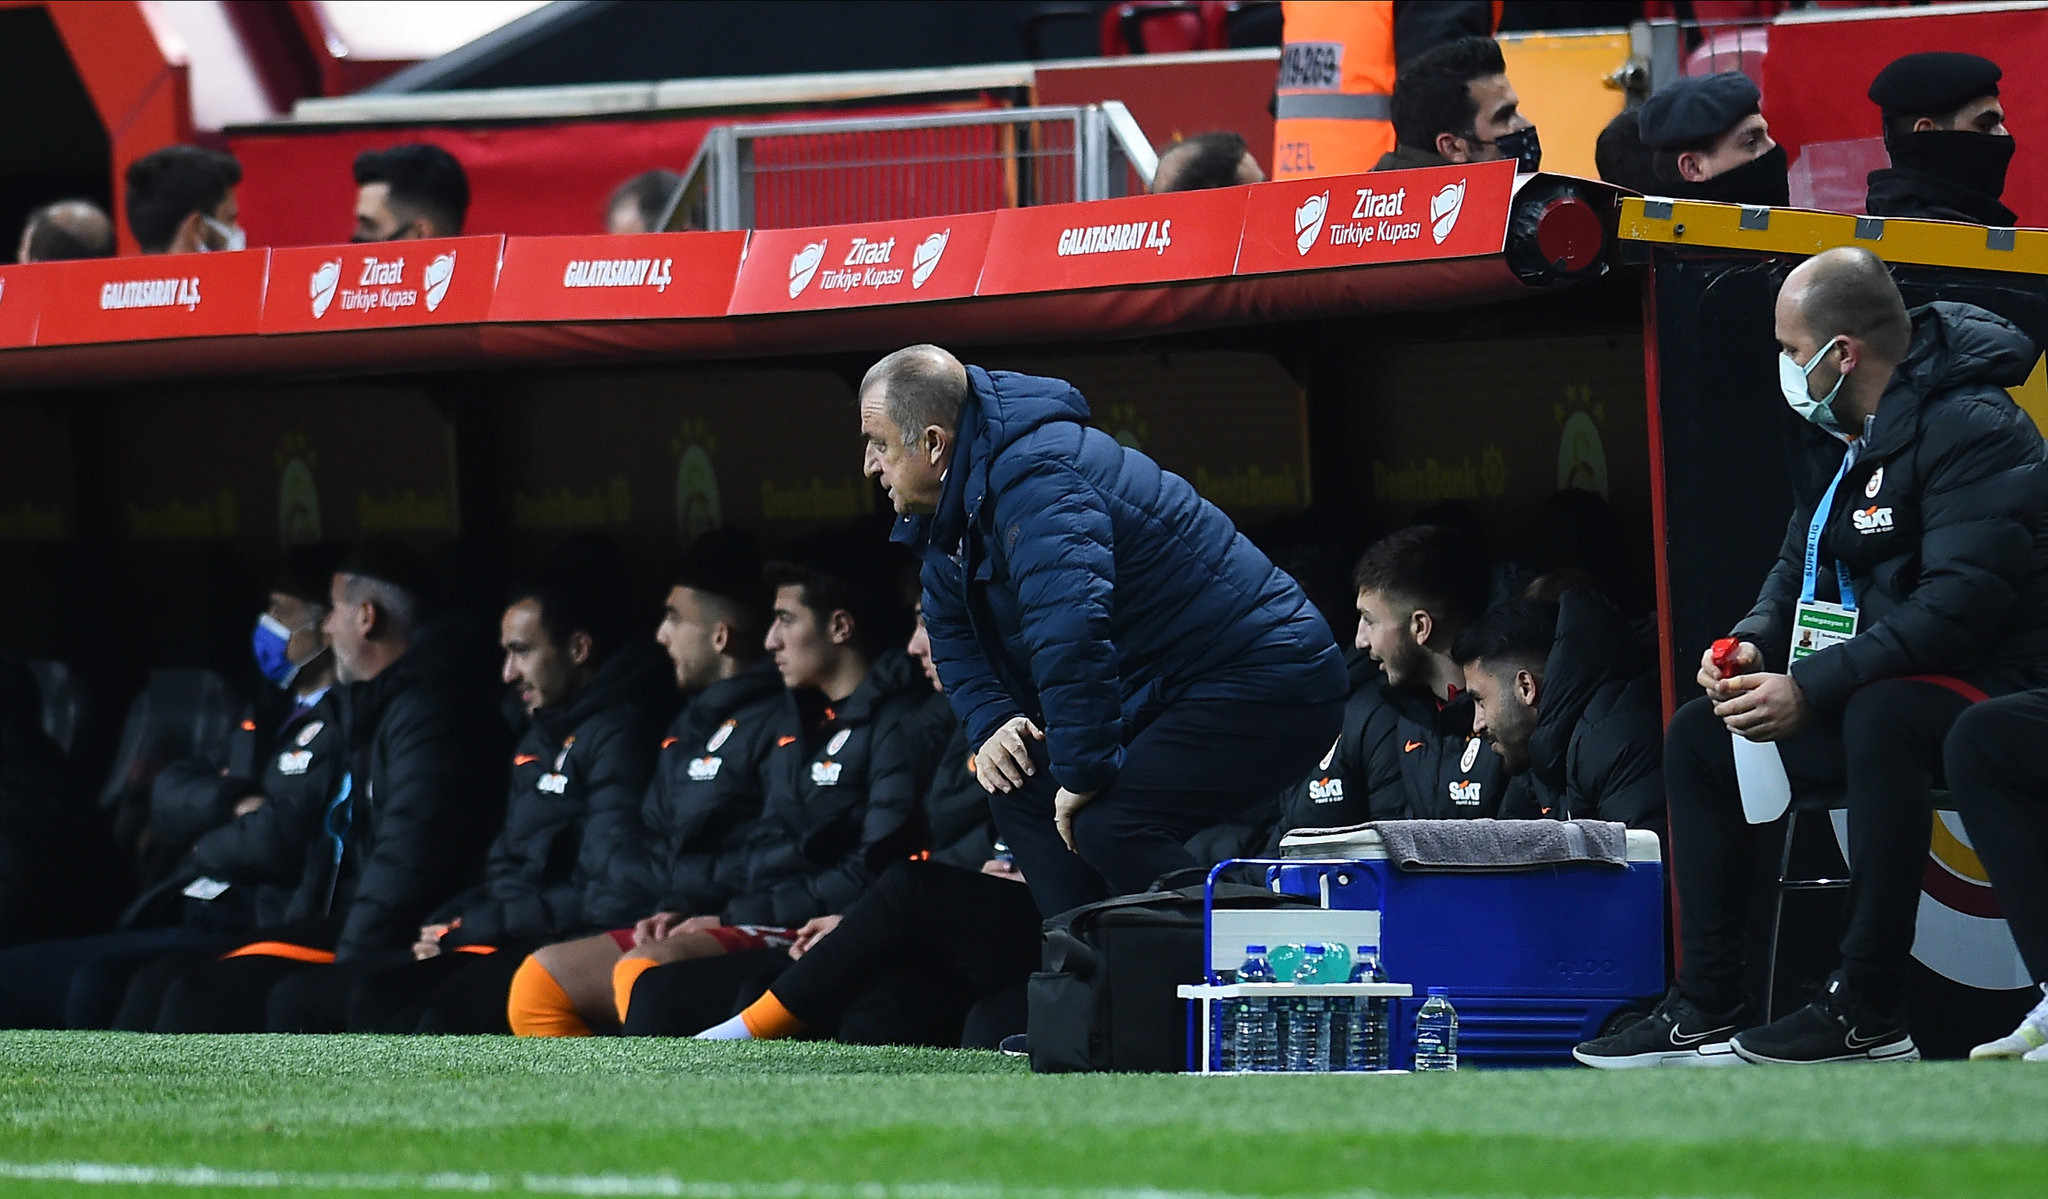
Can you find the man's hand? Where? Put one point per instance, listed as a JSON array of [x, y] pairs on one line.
[[1005, 758], [429, 944], [1002, 868], [813, 931], [247, 804], [1064, 805], [655, 927], [1763, 707], [1747, 661], [697, 924]]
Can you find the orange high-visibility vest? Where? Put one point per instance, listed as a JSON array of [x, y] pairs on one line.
[[1333, 108]]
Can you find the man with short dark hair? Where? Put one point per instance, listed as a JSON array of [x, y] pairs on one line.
[[1621, 158], [181, 200], [409, 191], [1206, 160], [1455, 104], [1132, 669], [1944, 127], [640, 202], [1916, 582], [66, 230], [1417, 589], [1566, 697], [1709, 141]]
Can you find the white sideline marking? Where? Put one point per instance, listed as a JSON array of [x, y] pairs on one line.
[[664, 1185]]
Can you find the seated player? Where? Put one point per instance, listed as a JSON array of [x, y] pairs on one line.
[[909, 961], [420, 794], [589, 741], [1417, 590], [252, 835], [652, 850], [840, 796], [1563, 693]]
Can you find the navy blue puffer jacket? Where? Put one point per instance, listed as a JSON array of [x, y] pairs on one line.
[[1069, 579]]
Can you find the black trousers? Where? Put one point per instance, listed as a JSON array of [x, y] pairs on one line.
[[448, 993], [963, 936], [1885, 754], [80, 982], [1199, 763], [684, 998], [1998, 780], [225, 994]]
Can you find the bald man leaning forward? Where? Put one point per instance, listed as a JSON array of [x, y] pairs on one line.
[[1916, 582], [1131, 668]]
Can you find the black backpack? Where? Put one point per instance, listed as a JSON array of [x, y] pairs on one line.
[[1105, 999]]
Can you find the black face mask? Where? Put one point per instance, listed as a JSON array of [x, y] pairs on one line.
[[1762, 180], [1963, 157], [1521, 145]]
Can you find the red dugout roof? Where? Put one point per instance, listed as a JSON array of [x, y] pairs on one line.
[[1440, 237]]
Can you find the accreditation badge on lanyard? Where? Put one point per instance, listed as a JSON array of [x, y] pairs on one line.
[[1817, 624]]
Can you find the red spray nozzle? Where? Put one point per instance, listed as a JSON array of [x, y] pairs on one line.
[[1724, 654]]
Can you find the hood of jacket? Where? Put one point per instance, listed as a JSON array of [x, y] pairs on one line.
[[1954, 346], [630, 676], [435, 654], [1402, 158], [1001, 406], [715, 704], [1595, 649]]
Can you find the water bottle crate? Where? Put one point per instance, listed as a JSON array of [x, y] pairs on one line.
[[1210, 1005]]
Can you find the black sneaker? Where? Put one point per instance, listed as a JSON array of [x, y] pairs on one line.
[[1837, 1027], [1676, 1034]]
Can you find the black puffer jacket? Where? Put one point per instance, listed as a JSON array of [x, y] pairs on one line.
[[659, 851], [280, 856], [1359, 766], [595, 751], [427, 755], [1939, 520], [1443, 771], [842, 802], [1597, 752]]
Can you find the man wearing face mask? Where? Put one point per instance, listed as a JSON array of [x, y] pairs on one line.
[[251, 833], [1708, 140], [1945, 130], [1454, 104], [409, 191], [181, 200], [1914, 584]]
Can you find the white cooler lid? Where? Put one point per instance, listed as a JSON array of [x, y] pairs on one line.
[[1362, 842]]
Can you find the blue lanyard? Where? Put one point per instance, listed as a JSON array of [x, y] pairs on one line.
[[1813, 531]]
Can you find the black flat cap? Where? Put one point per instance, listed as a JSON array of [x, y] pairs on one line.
[[1938, 81], [1693, 110]]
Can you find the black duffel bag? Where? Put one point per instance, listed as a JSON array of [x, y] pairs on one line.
[[1105, 999]]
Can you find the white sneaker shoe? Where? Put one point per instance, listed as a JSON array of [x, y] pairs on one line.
[[2029, 1041]]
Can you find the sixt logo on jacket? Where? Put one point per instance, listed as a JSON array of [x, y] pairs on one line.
[[1466, 794], [1326, 790], [1872, 520]]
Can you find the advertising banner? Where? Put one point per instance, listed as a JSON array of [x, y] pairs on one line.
[[381, 285], [649, 276]]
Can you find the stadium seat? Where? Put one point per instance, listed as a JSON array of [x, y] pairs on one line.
[[186, 713], [1741, 48]]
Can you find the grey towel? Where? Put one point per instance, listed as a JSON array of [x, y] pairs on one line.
[[1501, 844]]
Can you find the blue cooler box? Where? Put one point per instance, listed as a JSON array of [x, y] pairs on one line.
[[1536, 960]]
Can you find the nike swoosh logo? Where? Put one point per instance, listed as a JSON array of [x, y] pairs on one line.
[[1856, 1042], [1411, 747], [1686, 1040], [525, 759]]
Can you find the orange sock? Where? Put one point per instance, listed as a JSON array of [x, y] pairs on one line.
[[539, 1007], [767, 1019], [624, 975]]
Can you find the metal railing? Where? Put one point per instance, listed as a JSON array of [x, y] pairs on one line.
[[793, 174]]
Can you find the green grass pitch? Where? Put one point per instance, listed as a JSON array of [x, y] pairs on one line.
[[115, 1115]]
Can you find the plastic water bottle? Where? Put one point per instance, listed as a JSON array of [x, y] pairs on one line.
[[1308, 1025], [1255, 1032], [1365, 1024], [1436, 1033]]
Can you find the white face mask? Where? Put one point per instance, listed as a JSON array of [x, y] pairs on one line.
[[232, 237], [1792, 379]]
